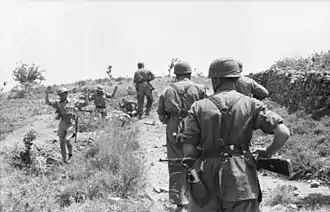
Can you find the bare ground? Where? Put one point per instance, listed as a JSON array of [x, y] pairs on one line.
[[152, 139]]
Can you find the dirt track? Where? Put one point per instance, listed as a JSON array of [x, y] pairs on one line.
[[152, 139]]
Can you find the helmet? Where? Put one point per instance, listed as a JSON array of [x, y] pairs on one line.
[[182, 68], [100, 88], [140, 65], [224, 68], [62, 90]]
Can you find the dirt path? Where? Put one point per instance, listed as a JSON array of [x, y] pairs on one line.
[[152, 139]]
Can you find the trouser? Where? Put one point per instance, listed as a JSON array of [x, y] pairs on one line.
[[144, 90], [178, 193], [101, 114], [215, 206], [65, 132]]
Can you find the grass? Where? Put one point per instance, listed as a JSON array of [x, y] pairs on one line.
[[87, 184], [16, 113]]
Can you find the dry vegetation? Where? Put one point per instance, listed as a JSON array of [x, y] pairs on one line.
[[110, 167]]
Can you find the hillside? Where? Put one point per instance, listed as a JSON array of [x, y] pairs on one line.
[[116, 168]]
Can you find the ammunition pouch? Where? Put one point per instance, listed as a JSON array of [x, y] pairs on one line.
[[230, 176]]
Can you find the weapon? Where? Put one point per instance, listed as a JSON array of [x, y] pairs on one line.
[[276, 165], [76, 130]]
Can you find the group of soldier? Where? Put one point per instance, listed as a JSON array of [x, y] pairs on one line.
[[215, 130]]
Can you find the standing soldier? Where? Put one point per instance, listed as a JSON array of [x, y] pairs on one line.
[[174, 104], [217, 134], [142, 78], [99, 98], [65, 112], [250, 87]]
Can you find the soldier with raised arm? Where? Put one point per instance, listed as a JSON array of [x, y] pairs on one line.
[[174, 104], [99, 98], [217, 133], [65, 110]]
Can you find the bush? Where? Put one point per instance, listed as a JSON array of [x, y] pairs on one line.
[[89, 183]]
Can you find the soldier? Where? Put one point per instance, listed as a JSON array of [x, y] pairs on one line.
[[218, 133], [250, 87], [99, 99], [142, 78], [128, 106], [174, 104], [65, 112]]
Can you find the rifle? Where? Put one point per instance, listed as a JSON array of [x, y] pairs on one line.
[[276, 165], [76, 130]]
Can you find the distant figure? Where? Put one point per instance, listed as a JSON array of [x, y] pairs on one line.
[[142, 78], [99, 98], [250, 87]]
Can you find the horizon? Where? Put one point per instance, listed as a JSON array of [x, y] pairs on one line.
[[78, 40]]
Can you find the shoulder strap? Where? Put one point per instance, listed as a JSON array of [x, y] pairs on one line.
[[181, 93], [224, 110]]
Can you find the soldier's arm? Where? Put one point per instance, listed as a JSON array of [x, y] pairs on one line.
[[151, 76], [259, 91], [191, 134], [161, 109], [135, 79], [271, 123], [113, 93], [53, 104]]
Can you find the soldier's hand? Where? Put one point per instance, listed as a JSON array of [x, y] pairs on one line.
[[48, 89], [262, 153]]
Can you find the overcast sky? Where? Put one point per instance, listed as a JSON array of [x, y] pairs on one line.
[[76, 40]]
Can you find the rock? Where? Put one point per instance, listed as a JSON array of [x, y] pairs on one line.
[[152, 164], [315, 184], [292, 206], [296, 193], [265, 174]]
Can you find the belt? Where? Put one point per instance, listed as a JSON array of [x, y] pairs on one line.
[[183, 114], [100, 107], [227, 151]]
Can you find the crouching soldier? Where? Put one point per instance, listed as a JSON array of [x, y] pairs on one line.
[[65, 112], [129, 107]]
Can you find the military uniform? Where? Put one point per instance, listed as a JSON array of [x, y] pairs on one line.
[[99, 99], [221, 127], [172, 108], [65, 110], [250, 87], [142, 78], [128, 106]]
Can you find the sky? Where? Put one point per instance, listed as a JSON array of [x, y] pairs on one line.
[[78, 39]]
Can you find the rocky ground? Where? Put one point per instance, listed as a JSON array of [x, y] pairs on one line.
[[152, 140]]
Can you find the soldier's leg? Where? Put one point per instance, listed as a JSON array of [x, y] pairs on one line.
[[177, 174], [140, 102], [150, 100], [69, 132], [61, 134]]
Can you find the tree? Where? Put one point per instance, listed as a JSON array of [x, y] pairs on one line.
[[28, 74], [174, 60]]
